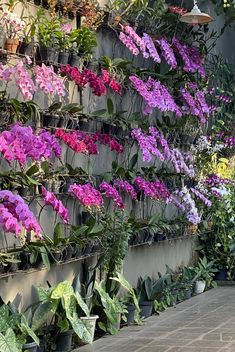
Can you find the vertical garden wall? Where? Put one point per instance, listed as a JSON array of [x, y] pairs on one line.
[[116, 143]]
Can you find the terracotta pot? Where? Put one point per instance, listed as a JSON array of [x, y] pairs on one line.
[[11, 45]]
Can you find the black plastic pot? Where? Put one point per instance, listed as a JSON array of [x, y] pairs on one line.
[[78, 252], [48, 54], [56, 257], [11, 268], [159, 237], [130, 316], [146, 309], [187, 293], [87, 249], [30, 347], [175, 294], [49, 120], [26, 48], [64, 341], [63, 58], [39, 262], [68, 252], [74, 60], [221, 275], [25, 261]]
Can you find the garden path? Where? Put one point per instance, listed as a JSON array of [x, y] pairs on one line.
[[204, 323]]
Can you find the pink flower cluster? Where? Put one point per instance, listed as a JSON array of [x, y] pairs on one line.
[[82, 142], [70, 138], [87, 195], [106, 139], [195, 103], [155, 190], [48, 81], [190, 56], [14, 212], [21, 77], [12, 22], [167, 52], [155, 144], [155, 95], [111, 192], [95, 82], [24, 81], [20, 143], [125, 186], [201, 197], [56, 204]]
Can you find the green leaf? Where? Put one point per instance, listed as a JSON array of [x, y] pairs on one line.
[[58, 234], [41, 315], [45, 258], [97, 228], [32, 170], [133, 161], [110, 106], [8, 342], [24, 326]]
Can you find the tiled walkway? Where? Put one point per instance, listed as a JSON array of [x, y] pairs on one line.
[[205, 323]]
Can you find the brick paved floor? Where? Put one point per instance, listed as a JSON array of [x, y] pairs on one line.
[[205, 323]]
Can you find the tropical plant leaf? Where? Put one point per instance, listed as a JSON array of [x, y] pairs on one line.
[[8, 342]]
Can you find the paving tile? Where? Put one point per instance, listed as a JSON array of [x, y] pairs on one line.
[[195, 349], [205, 323], [208, 343], [154, 349], [168, 342]]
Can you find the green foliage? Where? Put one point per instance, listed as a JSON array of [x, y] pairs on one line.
[[84, 41], [111, 307], [49, 31], [14, 329], [205, 271], [63, 302], [130, 297], [150, 290]]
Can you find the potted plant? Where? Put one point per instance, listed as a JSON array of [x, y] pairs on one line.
[[204, 275], [61, 303], [129, 300], [15, 331], [110, 309], [83, 42], [65, 44], [13, 26], [86, 290], [26, 46], [49, 32], [149, 290]]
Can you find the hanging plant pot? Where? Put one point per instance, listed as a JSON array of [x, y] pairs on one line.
[[74, 60], [26, 48], [25, 261], [68, 253], [64, 341], [56, 256], [48, 54], [63, 58], [11, 45], [200, 286], [30, 347], [130, 315], [146, 309]]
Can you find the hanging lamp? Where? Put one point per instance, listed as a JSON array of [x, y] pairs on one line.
[[195, 16]]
